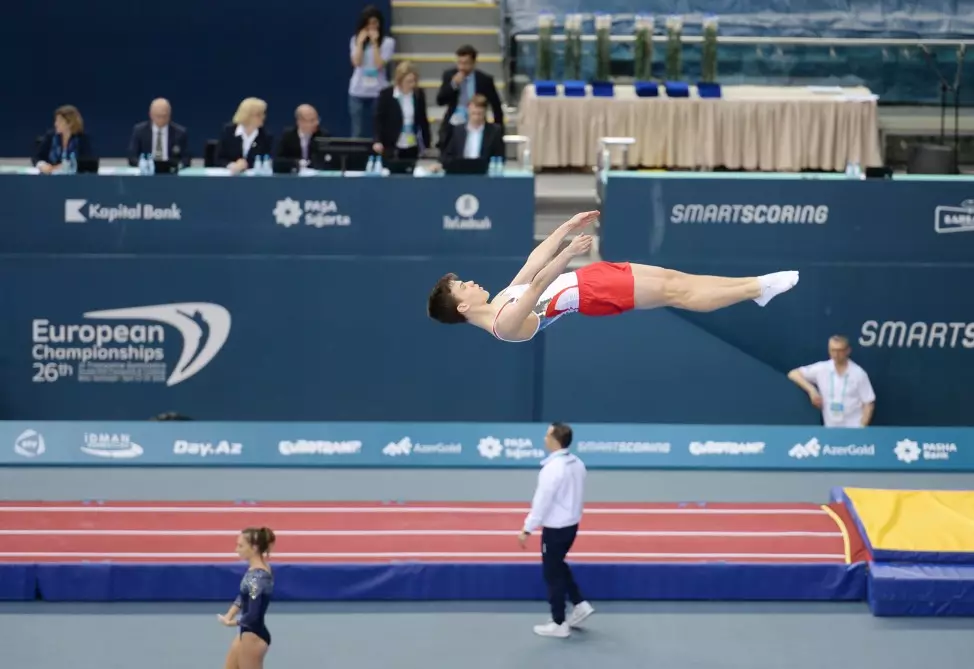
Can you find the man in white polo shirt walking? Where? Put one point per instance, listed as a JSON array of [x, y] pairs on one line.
[[557, 508], [838, 386]]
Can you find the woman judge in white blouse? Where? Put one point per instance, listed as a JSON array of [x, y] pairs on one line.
[[402, 128], [244, 139]]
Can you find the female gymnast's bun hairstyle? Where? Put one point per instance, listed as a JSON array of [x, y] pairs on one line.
[[261, 538]]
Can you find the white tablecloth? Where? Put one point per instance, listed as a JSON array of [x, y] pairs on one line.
[[771, 128]]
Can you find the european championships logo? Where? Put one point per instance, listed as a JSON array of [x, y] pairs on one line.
[[190, 319]]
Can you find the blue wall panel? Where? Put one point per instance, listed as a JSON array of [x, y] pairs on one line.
[[110, 59], [656, 367]]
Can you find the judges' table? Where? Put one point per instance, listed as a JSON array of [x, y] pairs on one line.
[[768, 128], [119, 211]]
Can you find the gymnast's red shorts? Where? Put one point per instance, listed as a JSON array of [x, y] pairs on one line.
[[605, 289]]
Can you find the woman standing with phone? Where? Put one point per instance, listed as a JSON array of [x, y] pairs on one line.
[[371, 51]]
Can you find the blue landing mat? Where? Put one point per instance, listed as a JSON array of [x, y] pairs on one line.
[[18, 582], [921, 590], [101, 582]]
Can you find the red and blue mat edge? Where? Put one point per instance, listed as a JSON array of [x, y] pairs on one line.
[[894, 583]]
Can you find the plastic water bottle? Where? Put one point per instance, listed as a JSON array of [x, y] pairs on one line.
[[268, 165], [526, 158], [852, 170], [370, 167], [378, 166], [72, 163], [150, 165]]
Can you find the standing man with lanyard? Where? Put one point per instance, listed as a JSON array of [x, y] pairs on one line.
[[838, 386], [557, 508]]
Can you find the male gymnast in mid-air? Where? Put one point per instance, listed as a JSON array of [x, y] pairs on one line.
[[542, 292]]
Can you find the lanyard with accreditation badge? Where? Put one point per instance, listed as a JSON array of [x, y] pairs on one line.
[[837, 409]]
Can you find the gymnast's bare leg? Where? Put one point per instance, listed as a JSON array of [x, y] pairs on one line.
[[231, 662], [661, 287], [251, 652]]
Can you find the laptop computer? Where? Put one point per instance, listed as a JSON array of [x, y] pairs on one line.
[[87, 166], [400, 165], [286, 166], [466, 166], [166, 167]]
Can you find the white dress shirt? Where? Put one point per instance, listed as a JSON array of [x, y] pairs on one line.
[[558, 499], [407, 138], [156, 132], [843, 395], [474, 143], [247, 140]]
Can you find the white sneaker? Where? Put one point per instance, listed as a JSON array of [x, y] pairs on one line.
[[582, 611], [562, 631]]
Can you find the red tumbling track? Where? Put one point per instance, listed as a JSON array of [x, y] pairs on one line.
[[430, 532]]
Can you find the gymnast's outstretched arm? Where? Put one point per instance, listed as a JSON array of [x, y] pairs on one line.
[[510, 321], [546, 250]]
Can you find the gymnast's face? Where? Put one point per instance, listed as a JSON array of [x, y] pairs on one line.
[[468, 294], [244, 549]]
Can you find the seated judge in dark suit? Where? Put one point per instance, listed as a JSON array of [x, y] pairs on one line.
[[297, 143], [459, 86], [67, 137], [245, 138], [159, 137], [476, 139], [402, 127]]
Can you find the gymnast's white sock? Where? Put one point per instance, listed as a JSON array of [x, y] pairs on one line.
[[775, 284]]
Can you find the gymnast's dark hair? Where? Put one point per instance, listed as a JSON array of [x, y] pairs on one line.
[[441, 305], [562, 434], [261, 538]]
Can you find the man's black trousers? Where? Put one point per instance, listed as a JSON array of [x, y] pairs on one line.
[[555, 544]]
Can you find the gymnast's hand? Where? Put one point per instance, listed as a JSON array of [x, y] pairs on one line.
[[582, 220], [226, 620], [579, 246]]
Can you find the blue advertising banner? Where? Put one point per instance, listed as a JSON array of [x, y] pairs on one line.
[[786, 219], [280, 214], [882, 262], [116, 338], [481, 445]]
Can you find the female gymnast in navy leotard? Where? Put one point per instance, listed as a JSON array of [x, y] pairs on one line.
[[249, 647]]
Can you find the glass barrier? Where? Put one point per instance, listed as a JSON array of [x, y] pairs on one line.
[[898, 71]]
